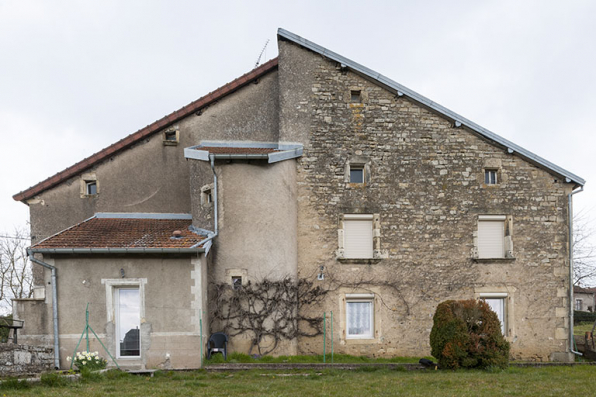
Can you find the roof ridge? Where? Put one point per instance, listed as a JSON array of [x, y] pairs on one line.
[[146, 131]]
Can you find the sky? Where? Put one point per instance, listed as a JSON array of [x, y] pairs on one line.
[[76, 76]]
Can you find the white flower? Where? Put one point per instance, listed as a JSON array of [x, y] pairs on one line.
[[68, 359], [83, 362]]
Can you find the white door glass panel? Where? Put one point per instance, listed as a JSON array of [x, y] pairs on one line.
[[490, 239], [359, 320], [358, 239], [128, 322], [498, 306]]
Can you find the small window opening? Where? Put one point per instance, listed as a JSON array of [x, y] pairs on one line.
[[355, 96], [206, 196], [91, 187], [490, 177], [236, 282], [170, 136], [356, 174]]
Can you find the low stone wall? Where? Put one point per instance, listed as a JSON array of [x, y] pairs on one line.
[[25, 359]]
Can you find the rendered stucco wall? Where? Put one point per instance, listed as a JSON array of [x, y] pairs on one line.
[[426, 183], [174, 302]]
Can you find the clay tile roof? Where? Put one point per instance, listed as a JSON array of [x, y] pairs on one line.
[[581, 290], [237, 150], [124, 233], [147, 131]]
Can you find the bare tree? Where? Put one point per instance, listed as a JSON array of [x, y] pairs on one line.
[[584, 250], [15, 271]]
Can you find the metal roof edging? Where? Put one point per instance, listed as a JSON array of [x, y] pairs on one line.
[[427, 102], [117, 250]]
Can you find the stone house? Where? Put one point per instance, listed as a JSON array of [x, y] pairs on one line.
[[310, 167], [584, 299]]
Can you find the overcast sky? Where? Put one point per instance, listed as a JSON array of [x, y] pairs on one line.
[[76, 76]]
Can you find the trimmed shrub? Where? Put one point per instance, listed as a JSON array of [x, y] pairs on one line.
[[583, 317], [467, 334]]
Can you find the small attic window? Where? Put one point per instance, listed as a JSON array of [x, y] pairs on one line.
[[490, 176], [355, 96], [91, 187], [171, 137]]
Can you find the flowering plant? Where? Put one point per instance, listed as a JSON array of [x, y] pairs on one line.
[[88, 360]]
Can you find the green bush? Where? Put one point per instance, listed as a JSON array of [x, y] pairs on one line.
[[467, 334], [581, 317]]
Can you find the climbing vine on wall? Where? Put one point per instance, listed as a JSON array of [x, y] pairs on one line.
[[266, 311]]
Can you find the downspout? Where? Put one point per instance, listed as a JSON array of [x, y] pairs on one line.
[[208, 241], [571, 273], [54, 305]]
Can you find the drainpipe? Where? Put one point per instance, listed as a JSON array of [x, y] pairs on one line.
[[208, 241], [571, 275], [54, 306]]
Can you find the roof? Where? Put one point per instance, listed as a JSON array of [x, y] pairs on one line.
[[240, 150], [459, 121], [581, 290], [147, 131], [104, 233]]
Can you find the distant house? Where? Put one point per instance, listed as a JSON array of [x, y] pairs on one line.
[[584, 299], [311, 171]]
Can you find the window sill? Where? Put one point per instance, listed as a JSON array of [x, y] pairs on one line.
[[170, 143], [89, 195], [489, 260], [359, 261]]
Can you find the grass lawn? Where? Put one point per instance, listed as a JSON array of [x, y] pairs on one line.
[[582, 328], [552, 381], [234, 358]]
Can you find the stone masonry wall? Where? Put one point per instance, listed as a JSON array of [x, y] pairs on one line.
[[24, 359], [426, 183]]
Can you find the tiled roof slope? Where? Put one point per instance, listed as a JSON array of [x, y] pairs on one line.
[[124, 233], [147, 131]]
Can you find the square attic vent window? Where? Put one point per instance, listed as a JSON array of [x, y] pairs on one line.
[[170, 137], [356, 173], [355, 96], [91, 187]]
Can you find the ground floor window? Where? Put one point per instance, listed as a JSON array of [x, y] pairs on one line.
[[360, 317], [578, 304], [128, 321], [498, 304]]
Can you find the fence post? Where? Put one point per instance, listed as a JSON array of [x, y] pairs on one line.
[[324, 335]]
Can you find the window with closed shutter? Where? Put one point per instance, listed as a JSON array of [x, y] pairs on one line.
[[358, 236], [491, 233]]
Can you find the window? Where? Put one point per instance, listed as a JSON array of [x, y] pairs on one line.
[[358, 236], [236, 282], [355, 96], [578, 304], [491, 236], [171, 137], [356, 173], [207, 195], [91, 187], [497, 303], [128, 322], [490, 177], [359, 316]]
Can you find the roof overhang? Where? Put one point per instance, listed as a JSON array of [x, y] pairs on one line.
[[458, 120], [279, 151]]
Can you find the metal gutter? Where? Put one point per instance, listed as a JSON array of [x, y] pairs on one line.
[[140, 215], [78, 251], [571, 273], [457, 119], [54, 305]]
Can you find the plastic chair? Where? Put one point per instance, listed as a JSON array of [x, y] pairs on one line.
[[218, 343]]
